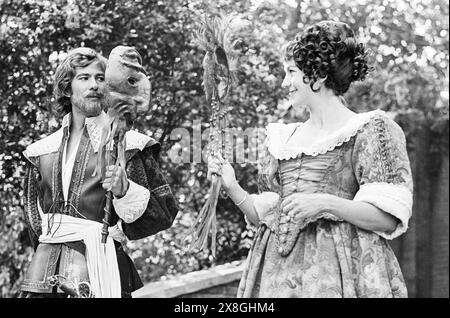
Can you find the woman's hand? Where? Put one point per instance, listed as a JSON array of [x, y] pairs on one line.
[[220, 167], [116, 180], [300, 206]]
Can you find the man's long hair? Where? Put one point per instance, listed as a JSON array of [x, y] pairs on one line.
[[80, 57]]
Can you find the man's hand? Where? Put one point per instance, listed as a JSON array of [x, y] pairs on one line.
[[116, 180]]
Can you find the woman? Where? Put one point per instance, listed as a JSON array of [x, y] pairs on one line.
[[338, 186]]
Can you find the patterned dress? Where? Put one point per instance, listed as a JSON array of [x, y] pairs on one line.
[[366, 161]]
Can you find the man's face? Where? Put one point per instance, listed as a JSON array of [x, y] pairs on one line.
[[88, 90]]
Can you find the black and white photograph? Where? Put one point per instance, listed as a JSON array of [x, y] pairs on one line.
[[238, 151]]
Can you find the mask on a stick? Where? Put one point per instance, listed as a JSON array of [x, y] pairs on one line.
[[128, 96]]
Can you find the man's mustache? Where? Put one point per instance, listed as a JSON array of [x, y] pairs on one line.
[[94, 95]]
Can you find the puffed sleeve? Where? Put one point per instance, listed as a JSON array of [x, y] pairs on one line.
[[383, 171], [162, 208]]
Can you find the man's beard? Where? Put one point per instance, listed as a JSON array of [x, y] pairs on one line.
[[87, 106]]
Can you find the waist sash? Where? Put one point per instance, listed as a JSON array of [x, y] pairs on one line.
[[101, 259]]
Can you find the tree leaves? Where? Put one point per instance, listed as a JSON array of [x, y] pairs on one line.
[[409, 40]]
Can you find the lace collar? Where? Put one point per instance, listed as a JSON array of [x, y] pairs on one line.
[[134, 139], [278, 134], [94, 127]]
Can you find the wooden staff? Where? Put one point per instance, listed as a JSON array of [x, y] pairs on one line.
[[109, 196]]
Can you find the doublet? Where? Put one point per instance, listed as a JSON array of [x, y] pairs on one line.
[[153, 209]]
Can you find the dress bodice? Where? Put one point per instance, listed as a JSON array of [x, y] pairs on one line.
[[330, 172]]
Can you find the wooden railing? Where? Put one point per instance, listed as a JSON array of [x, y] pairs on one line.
[[219, 281]]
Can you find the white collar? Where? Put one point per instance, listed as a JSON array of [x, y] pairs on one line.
[[94, 125], [278, 134]]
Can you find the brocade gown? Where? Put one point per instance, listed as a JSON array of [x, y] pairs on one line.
[[366, 160]]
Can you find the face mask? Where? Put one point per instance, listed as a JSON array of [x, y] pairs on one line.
[[128, 85]]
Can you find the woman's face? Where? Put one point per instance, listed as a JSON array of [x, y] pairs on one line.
[[299, 92]]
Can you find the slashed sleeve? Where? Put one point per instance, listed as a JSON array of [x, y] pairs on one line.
[[161, 208], [31, 203], [383, 171]]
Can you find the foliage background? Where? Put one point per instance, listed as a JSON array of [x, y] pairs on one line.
[[409, 41]]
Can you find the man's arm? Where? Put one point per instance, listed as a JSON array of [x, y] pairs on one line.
[[147, 184], [30, 203]]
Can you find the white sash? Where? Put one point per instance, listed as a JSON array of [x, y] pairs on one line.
[[101, 258]]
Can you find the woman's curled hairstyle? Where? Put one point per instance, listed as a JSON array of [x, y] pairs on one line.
[[329, 50], [80, 57]]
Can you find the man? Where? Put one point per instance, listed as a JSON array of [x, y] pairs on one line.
[[65, 199]]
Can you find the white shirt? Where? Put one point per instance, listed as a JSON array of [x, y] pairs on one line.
[[67, 168], [134, 203]]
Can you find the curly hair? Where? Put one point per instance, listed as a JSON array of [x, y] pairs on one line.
[[329, 50], [65, 72]]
